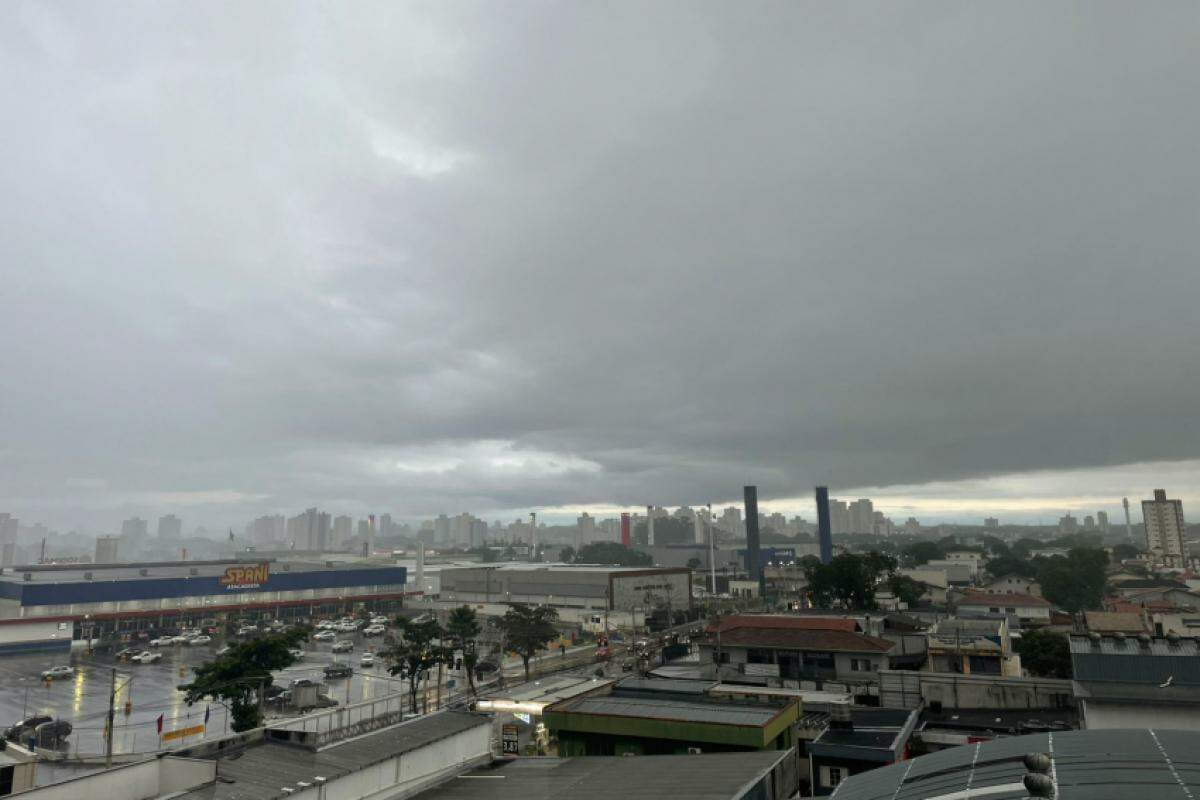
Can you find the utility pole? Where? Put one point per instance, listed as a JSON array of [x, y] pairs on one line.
[[112, 703]]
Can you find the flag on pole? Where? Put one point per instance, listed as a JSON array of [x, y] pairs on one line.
[[206, 715], [160, 721]]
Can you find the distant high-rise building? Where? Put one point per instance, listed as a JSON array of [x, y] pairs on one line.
[[1102, 521], [1089, 523], [312, 531], [8, 528], [170, 527], [991, 522], [134, 529], [585, 530], [106, 549], [861, 516], [268, 530], [1128, 523], [912, 525], [343, 531], [1067, 525], [731, 521], [441, 529], [839, 517], [1164, 529]]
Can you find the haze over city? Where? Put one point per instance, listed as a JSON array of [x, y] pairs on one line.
[[427, 258]]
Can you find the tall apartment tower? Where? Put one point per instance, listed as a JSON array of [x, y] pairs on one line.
[[824, 532], [170, 527], [106, 549], [1128, 522], [1102, 521], [1164, 529]]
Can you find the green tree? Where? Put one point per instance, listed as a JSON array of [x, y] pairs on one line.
[[1045, 653], [849, 579], [1123, 551], [612, 553], [906, 590], [240, 676], [417, 649], [527, 629], [919, 553], [1011, 565], [1024, 545], [1076, 582], [463, 629]]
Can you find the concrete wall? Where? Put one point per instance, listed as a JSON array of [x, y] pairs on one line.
[[138, 781], [34, 636], [903, 689], [1107, 715]]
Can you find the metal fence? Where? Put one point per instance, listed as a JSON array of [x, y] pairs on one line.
[[352, 720]]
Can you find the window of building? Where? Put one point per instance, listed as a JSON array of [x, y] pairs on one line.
[[1010, 610], [833, 776], [994, 609]]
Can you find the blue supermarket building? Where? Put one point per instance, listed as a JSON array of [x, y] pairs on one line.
[[49, 607]]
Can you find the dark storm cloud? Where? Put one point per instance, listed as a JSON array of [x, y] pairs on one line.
[[443, 256]]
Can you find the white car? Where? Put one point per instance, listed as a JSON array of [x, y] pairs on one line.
[[180, 639], [296, 653], [201, 639], [324, 636], [373, 630], [147, 657], [325, 624], [247, 630], [343, 647], [61, 671], [367, 660], [161, 641], [381, 621]]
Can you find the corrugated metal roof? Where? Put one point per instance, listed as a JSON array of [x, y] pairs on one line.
[[672, 685], [667, 708], [1130, 646], [1088, 765], [712, 776], [260, 772]]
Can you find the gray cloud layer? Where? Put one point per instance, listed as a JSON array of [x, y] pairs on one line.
[[441, 256]]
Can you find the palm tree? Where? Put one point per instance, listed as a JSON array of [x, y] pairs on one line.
[[463, 628]]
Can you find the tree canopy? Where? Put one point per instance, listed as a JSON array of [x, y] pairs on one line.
[[418, 647], [1045, 654], [1076, 582], [241, 674], [906, 590], [919, 553], [612, 553], [1011, 565], [849, 579], [1124, 550], [463, 629], [527, 629]]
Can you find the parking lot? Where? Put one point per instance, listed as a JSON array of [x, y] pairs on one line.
[[150, 690]]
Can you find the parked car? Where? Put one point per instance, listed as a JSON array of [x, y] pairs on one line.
[[485, 667], [148, 657], [161, 641], [127, 654], [180, 639], [367, 660], [338, 670], [296, 653], [373, 630], [19, 730], [247, 630], [61, 671], [379, 621], [325, 636], [343, 646], [54, 730], [199, 640], [325, 624]]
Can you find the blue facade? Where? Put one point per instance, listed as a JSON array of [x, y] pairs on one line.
[[102, 591]]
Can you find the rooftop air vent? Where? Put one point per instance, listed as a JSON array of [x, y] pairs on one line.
[[1037, 762], [1173, 639], [1144, 641], [1095, 638], [1119, 639], [1039, 785], [87, 576]]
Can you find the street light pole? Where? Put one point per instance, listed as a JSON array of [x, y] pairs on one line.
[[112, 701]]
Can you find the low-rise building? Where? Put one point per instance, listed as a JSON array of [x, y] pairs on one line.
[[786, 651], [1109, 622], [857, 740], [1131, 682], [973, 647], [1024, 608], [1012, 584]]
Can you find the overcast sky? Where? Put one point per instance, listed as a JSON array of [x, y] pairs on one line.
[[425, 257]]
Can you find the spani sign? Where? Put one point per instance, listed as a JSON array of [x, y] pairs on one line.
[[251, 576]]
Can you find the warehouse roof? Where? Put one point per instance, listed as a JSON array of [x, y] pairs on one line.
[[1014, 600], [712, 776], [677, 709], [1087, 765], [1133, 646], [798, 639], [260, 772]]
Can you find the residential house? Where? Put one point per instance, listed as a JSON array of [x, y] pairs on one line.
[[1025, 608], [1110, 622], [1012, 584], [857, 740], [770, 650], [973, 647]]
